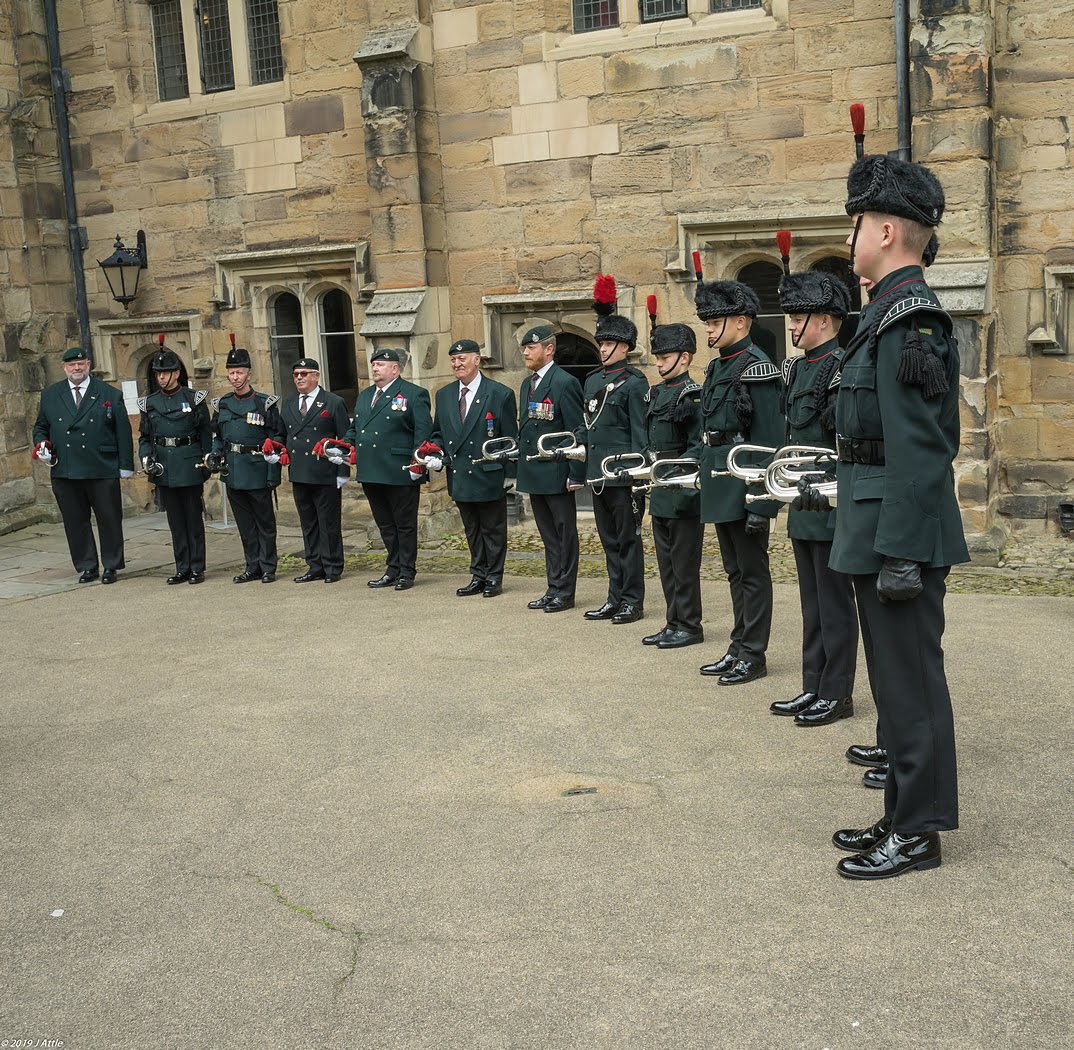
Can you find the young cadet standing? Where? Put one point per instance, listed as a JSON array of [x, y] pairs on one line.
[[175, 434], [816, 305], [674, 418], [469, 413], [898, 529], [613, 407], [83, 433], [550, 400], [739, 403], [244, 419]]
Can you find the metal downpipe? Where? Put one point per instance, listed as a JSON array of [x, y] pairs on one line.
[[902, 79]]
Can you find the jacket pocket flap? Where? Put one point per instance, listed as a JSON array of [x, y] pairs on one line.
[[869, 487]]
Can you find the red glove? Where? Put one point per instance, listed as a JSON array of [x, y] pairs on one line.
[[429, 448]]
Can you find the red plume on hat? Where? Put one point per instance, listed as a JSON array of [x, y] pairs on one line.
[[650, 306], [697, 266], [783, 242], [604, 294], [857, 122], [160, 339], [231, 336]]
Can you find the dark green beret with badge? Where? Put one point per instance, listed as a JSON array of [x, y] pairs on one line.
[[76, 353], [464, 346], [542, 333], [388, 354], [305, 364]]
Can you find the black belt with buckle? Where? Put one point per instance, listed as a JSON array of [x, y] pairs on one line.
[[173, 442], [860, 450], [243, 448], [718, 437]]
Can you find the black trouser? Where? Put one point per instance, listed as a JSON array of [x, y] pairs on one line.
[[903, 651], [187, 526], [485, 523], [255, 518], [395, 510], [678, 555], [557, 521], [745, 560], [76, 498], [829, 622], [619, 529], [320, 512]]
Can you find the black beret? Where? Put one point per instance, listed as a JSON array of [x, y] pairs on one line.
[[541, 334], [613, 328], [894, 187], [464, 346], [813, 292], [725, 299], [388, 354], [673, 339], [165, 361], [238, 358], [305, 364], [76, 353]]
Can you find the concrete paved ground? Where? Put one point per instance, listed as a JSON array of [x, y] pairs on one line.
[[321, 816]]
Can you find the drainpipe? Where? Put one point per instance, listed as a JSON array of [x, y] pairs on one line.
[[63, 137], [902, 77]]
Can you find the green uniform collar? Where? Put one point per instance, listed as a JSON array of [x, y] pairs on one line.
[[822, 351], [903, 275], [735, 348]]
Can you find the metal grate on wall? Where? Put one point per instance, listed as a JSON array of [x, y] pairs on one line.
[[733, 5], [263, 29], [168, 49], [214, 45], [659, 10], [595, 14]]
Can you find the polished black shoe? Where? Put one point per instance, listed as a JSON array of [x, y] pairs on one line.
[[875, 778], [653, 639], [867, 755], [385, 581], [196, 577], [404, 583], [826, 711], [559, 605], [179, 577], [681, 639], [88, 576], [539, 603], [245, 577], [893, 856], [628, 614], [268, 577], [792, 707], [332, 579], [475, 586], [605, 612], [861, 840], [108, 576], [309, 577], [492, 589], [744, 671], [721, 666]]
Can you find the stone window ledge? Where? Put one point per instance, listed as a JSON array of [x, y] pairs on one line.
[[242, 97]]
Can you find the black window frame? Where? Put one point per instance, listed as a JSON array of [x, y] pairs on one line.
[[646, 14], [173, 78], [263, 41], [285, 347], [590, 16], [216, 57], [719, 7]]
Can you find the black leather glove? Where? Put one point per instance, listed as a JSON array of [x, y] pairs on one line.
[[557, 456], [756, 524], [899, 580], [809, 498]]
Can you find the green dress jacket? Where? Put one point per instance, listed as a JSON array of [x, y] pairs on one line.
[[387, 434], [326, 417], [674, 429], [554, 404], [240, 427], [900, 386], [175, 430], [90, 442], [739, 403], [492, 413], [810, 387], [613, 410]]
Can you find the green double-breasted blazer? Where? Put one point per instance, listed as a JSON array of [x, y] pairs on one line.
[[491, 413], [613, 407], [183, 414], [326, 417], [387, 434], [91, 441], [247, 421], [554, 404]]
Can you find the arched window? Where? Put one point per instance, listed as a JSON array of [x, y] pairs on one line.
[[285, 339], [839, 267], [336, 324], [576, 355], [769, 329]]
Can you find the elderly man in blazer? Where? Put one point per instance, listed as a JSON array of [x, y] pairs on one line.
[[391, 419], [83, 432], [468, 413]]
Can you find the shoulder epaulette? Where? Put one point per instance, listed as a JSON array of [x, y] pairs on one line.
[[215, 403], [788, 367], [648, 395], [270, 400], [835, 377], [199, 396], [636, 372], [760, 372], [142, 402], [912, 304]]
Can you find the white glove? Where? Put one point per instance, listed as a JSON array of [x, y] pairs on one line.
[[434, 463], [271, 457], [340, 482], [145, 462], [126, 474], [43, 453], [413, 476], [336, 459]]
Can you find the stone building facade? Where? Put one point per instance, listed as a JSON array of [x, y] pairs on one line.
[[409, 172]]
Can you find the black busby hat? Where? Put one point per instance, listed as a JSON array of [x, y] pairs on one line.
[[673, 339], [237, 357], [388, 354], [76, 353], [305, 364], [541, 333], [813, 292], [166, 361], [894, 187], [464, 346], [725, 299], [611, 327]]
